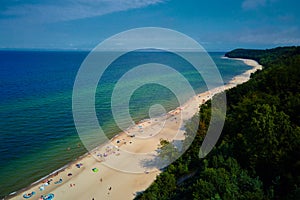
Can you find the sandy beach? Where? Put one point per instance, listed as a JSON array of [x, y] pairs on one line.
[[91, 176]]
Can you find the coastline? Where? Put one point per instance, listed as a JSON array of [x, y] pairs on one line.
[[244, 77], [86, 184]]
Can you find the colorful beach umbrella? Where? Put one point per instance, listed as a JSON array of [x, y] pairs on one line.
[[95, 169]]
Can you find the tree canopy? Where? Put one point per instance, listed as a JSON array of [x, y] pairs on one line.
[[258, 154]]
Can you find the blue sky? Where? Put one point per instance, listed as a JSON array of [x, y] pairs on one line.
[[218, 25]]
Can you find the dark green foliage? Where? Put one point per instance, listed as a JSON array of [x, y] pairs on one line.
[[162, 188], [258, 154], [224, 179], [266, 57]]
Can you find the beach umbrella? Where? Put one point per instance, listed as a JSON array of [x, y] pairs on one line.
[[95, 169], [48, 196], [26, 196]]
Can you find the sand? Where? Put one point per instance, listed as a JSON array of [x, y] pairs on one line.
[[109, 183]]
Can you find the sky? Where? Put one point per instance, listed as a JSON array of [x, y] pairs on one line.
[[218, 25]]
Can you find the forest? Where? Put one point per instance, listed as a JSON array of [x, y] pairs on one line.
[[258, 153]]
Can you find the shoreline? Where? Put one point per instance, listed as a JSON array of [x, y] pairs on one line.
[[87, 183]]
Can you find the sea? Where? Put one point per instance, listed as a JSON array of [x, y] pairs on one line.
[[37, 131]]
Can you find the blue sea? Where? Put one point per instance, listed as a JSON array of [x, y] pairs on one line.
[[37, 131]]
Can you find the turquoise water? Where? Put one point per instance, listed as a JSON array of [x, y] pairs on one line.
[[36, 123]]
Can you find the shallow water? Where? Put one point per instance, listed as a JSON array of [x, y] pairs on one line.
[[37, 131]]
